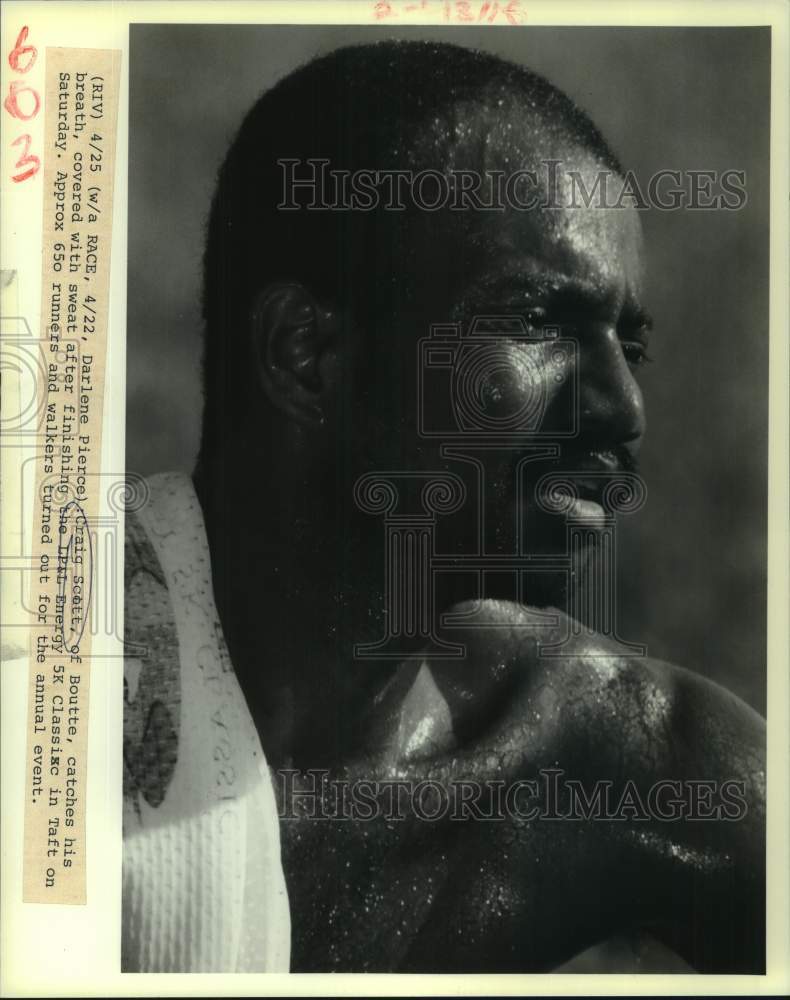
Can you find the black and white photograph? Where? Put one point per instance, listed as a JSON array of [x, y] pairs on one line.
[[446, 543]]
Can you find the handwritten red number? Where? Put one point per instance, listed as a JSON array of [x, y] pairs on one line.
[[11, 103], [21, 59], [25, 158], [22, 50]]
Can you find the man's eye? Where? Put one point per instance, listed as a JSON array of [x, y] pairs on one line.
[[635, 353]]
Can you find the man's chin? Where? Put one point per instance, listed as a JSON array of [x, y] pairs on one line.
[[544, 589], [564, 558], [558, 581]]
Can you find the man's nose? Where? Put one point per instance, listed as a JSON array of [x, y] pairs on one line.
[[610, 400]]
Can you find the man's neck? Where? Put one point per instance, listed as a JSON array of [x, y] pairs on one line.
[[278, 604]]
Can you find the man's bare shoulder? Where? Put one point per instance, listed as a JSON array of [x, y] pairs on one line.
[[478, 734], [534, 684]]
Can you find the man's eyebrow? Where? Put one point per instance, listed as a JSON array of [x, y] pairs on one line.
[[559, 289], [553, 288], [528, 274], [635, 316]]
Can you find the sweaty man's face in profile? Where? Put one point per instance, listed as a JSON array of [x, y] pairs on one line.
[[567, 399]]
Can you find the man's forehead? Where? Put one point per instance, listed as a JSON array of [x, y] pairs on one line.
[[500, 130], [561, 235], [602, 243], [494, 129]]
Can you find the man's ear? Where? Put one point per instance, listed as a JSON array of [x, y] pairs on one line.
[[293, 342]]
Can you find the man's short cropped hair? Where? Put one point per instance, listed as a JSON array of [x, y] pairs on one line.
[[361, 107]]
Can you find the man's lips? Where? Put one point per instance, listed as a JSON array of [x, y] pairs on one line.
[[589, 487], [584, 508], [576, 487]]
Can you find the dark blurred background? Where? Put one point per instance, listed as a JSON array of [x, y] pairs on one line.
[[693, 563]]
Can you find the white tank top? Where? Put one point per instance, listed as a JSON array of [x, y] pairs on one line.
[[203, 885]]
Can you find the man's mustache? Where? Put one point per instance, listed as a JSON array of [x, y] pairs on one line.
[[612, 460], [587, 461]]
